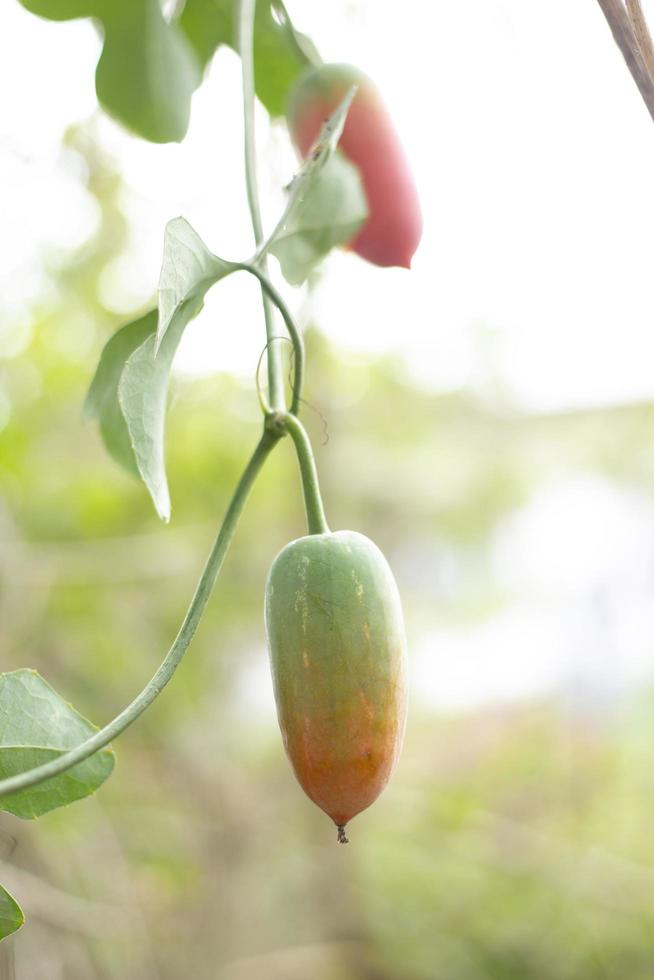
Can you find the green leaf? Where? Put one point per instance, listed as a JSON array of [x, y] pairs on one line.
[[102, 400], [331, 213], [36, 726], [142, 393], [326, 203], [11, 914], [320, 153], [188, 270], [148, 69], [280, 53], [207, 24], [129, 391], [147, 72], [328, 138], [61, 9]]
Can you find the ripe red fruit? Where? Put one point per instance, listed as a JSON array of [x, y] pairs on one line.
[[393, 229]]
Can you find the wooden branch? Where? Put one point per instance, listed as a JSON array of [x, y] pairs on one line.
[[624, 35], [642, 34]]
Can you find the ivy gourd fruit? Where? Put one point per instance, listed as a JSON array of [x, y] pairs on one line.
[[339, 664], [392, 231]]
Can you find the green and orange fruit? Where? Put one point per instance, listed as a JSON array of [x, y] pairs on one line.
[[338, 657]]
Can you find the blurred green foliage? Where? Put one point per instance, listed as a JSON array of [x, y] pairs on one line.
[[151, 65], [511, 843]]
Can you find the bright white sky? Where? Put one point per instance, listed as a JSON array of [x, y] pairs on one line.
[[534, 157], [533, 153]]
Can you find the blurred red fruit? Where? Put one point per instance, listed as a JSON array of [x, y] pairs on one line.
[[393, 229]]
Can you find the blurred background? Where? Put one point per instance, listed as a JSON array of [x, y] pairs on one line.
[[491, 426]]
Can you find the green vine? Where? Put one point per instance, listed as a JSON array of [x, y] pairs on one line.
[[296, 338], [246, 49], [277, 422], [173, 658]]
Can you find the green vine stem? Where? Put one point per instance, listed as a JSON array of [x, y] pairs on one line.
[[246, 51], [282, 421], [285, 422], [296, 338], [174, 656]]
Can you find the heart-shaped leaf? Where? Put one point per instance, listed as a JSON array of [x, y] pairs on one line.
[[102, 400], [326, 204], [142, 395], [36, 726], [148, 69], [129, 391], [330, 214], [188, 270], [280, 52]]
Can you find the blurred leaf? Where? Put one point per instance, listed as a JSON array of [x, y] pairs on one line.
[[102, 399], [280, 53], [306, 48], [142, 392], [147, 71], [11, 914], [326, 203], [61, 9], [331, 215], [330, 134], [37, 726], [188, 270]]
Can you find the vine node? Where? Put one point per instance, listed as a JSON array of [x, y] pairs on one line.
[[275, 423]]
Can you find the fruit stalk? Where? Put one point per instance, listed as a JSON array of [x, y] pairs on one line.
[[316, 520]]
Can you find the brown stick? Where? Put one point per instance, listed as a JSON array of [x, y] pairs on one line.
[[624, 35], [643, 36]]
